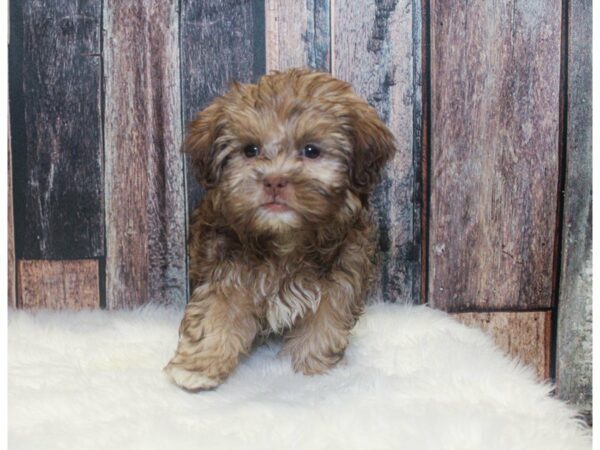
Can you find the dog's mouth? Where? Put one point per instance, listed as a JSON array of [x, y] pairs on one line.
[[275, 206]]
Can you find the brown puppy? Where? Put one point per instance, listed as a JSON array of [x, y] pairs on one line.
[[282, 241]]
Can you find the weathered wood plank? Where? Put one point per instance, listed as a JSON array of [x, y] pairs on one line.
[[221, 40], [375, 48], [58, 284], [525, 335], [12, 298], [57, 146], [145, 201], [298, 34], [495, 76], [574, 336]]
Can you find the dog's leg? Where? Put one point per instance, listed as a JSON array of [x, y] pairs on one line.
[[318, 341], [217, 328]]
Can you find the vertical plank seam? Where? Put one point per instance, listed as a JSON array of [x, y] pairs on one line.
[[425, 145], [182, 124], [11, 261], [18, 299], [332, 37], [562, 170], [417, 148], [102, 260], [331, 30]]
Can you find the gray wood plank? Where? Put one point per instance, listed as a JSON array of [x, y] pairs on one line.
[[574, 336], [145, 200], [495, 77], [57, 129], [298, 34], [221, 40], [376, 48]]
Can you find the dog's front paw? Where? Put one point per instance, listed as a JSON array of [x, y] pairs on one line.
[[190, 380]]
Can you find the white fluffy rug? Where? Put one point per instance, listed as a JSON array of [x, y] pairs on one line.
[[413, 378]]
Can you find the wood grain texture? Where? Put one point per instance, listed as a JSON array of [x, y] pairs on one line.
[[298, 34], [58, 284], [12, 297], [145, 201], [221, 41], [574, 335], [376, 48], [524, 335], [57, 149], [495, 76]]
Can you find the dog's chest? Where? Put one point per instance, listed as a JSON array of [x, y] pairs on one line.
[[285, 298]]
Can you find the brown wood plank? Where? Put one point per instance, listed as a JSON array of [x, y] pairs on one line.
[[58, 284], [525, 335], [376, 47], [221, 40], [495, 76], [145, 204], [574, 335], [57, 129], [12, 298], [297, 34]]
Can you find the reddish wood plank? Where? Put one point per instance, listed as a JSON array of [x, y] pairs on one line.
[[12, 298], [574, 335], [58, 284], [297, 34], [145, 212], [495, 75], [376, 47], [525, 335]]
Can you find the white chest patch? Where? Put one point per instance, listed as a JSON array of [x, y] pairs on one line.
[[288, 301]]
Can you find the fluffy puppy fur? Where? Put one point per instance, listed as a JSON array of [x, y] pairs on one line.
[[282, 242]]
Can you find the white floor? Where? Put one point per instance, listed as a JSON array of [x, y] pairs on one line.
[[412, 378]]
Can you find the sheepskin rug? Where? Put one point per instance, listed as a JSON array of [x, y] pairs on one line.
[[412, 378]]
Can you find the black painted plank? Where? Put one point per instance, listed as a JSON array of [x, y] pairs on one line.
[[221, 40], [56, 128]]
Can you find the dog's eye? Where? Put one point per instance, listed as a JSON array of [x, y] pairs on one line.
[[312, 152], [251, 151]]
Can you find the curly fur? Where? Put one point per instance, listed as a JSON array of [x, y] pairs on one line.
[[281, 242]]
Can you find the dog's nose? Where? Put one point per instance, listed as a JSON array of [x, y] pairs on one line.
[[274, 184]]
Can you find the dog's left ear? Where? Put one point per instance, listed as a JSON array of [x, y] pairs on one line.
[[374, 144]]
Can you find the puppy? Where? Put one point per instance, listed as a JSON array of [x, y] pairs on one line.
[[282, 242]]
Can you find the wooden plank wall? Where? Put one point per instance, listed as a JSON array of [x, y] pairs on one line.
[[574, 334], [526, 335], [56, 128], [61, 214], [71, 284], [144, 180], [469, 211], [298, 34], [374, 49], [494, 166], [495, 71]]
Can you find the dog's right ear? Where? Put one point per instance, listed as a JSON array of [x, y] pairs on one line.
[[200, 144]]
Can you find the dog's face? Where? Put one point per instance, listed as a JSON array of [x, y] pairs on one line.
[[296, 150]]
